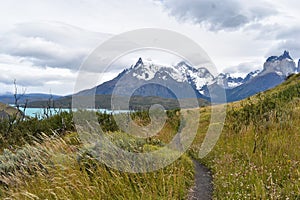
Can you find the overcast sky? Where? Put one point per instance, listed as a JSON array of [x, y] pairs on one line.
[[43, 43]]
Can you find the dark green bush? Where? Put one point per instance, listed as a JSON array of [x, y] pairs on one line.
[[30, 129]]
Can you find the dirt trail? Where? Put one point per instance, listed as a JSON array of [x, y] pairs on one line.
[[203, 187]]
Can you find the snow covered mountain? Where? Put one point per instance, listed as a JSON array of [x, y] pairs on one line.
[[251, 75], [226, 81], [157, 80], [276, 69], [181, 72], [174, 81]]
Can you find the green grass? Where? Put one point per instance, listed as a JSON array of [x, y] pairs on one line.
[[257, 155], [59, 167]]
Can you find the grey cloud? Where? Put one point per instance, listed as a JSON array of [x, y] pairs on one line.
[[50, 44], [29, 75], [288, 38], [219, 14], [292, 45], [263, 31], [289, 33]]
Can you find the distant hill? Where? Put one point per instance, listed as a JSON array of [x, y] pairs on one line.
[[10, 99], [164, 84], [136, 102]]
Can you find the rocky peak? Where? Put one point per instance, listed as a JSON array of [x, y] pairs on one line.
[[285, 55], [282, 65], [251, 75], [227, 81], [139, 63], [182, 63]]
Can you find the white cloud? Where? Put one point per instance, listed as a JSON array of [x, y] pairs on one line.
[[50, 44], [243, 69], [34, 78], [45, 56]]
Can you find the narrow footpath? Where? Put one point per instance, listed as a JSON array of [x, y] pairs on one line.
[[203, 188]]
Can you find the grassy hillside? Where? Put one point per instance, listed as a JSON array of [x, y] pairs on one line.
[[54, 164], [257, 156]]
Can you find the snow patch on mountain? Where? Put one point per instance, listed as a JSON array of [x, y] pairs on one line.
[[181, 72], [148, 71], [233, 84], [197, 77], [251, 75]]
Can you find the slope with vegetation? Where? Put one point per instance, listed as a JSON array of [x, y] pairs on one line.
[[256, 157], [45, 159]]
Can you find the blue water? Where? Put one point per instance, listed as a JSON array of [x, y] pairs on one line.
[[40, 112]]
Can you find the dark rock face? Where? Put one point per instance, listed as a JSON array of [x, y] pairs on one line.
[[285, 55], [283, 65]]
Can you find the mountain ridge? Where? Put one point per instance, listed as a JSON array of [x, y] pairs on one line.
[[276, 69], [185, 81]]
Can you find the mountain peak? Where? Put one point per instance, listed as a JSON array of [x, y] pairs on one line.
[[181, 63], [140, 60], [281, 65], [285, 55], [139, 63]]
